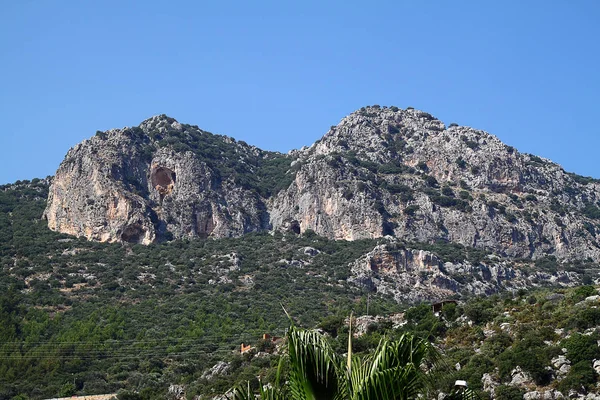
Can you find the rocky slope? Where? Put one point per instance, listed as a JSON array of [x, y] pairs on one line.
[[402, 172], [380, 171], [86, 308], [413, 275], [157, 181]]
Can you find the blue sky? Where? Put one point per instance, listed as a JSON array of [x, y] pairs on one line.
[[278, 74]]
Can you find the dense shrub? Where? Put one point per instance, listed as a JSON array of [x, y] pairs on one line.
[[581, 376], [504, 392], [479, 311], [582, 348]]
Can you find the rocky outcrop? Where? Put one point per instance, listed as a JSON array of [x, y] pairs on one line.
[[131, 185], [387, 171], [413, 275], [381, 171], [219, 369]]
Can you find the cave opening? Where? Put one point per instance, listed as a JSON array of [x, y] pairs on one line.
[[133, 234], [294, 227], [163, 180]]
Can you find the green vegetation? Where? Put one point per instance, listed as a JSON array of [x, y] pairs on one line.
[[582, 180], [451, 202], [394, 370], [79, 317], [526, 330], [591, 211], [266, 172], [108, 317], [462, 164]]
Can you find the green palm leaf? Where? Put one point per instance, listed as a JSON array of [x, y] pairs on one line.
[[393, 371], [397, 370], [315, 369]]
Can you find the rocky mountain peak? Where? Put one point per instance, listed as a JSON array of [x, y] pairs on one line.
[[375, 132], [380, 171], [161, 124]]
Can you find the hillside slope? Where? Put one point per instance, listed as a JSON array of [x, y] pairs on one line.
[[79, 316]]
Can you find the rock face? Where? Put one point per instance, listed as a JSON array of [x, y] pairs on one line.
[[414, 275], [386, 171], [380, 171], [146, 184]]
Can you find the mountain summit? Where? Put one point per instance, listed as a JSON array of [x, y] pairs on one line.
[[381, 171]]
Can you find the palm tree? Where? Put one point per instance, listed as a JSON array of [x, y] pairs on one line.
[[395, 370]]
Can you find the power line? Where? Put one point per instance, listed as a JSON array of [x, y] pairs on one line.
[[118, 349], [135, 341]]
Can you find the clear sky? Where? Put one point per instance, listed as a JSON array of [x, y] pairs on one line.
[[278, 74]]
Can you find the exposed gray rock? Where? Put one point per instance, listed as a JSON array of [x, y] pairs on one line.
[[555, 297], [562, 366], [418, 275], [489, 383], [176, 392], [362, 324], [520, 378], [380, 171], [122, 186], [220, 368], [310, 251], [596, 365], [355, 182], [543, 395]]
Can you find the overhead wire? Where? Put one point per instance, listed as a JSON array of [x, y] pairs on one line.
[[119, 349]]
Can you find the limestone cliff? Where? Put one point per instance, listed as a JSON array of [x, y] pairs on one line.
[[387, 171], [145, 184], [415, 275], [380, 171]]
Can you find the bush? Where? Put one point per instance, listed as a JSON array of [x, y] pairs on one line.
[[447, 191], [582, 348], [591, 211], [411, 210], [581, 376], [449, 311], [431, 181], [332, 324], [496, 345], [504, 392], [582, 292], [479, 311]]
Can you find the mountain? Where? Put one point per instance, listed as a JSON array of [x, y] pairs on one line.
[[381, 171], [389, 209]]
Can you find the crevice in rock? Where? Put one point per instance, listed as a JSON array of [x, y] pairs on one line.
[[163, 180], [294, 227], [133, 233], [204, 225]]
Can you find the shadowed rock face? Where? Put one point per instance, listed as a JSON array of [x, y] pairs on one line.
[[380, 171], [163, 180]]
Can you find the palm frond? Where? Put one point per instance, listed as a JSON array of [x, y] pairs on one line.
[[314, 367], [240, 393], [393, 371], [397, 370]]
